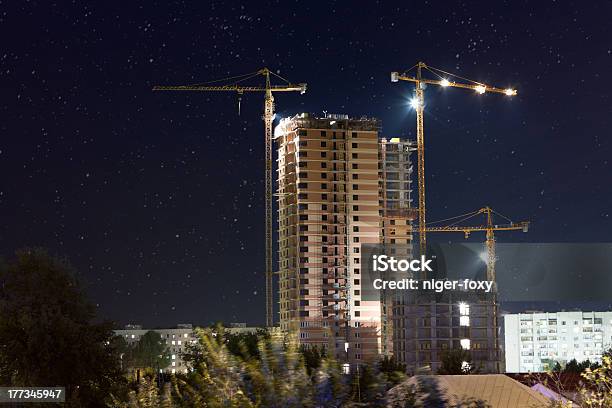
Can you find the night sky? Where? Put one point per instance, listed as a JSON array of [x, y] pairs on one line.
[[156, 198]]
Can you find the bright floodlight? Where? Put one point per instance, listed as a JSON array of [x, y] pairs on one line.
[[510, 92], [480, 89], [414, 103], [444, 82], [484, 256]]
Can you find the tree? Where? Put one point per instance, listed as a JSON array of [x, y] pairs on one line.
[[597, 393], [393, 371], [48, 335], [150, 352], [573, 366], [455, 362], [313, 357]]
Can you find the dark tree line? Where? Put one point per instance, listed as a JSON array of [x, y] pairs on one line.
[[48, 332]]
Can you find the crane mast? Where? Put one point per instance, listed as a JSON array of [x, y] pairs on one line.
[[420, 97], [418, 103], [235, 85], [268, 120]]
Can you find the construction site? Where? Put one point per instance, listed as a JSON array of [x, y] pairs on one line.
[[340, 185]]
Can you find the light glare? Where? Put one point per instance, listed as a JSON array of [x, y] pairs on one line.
[[510, 92], [414, 103], [480, 89], [444, 82]]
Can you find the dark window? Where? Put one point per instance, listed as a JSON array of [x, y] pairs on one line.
[[355, 228], [323, 196], [324, 186], [355, 218], [324, 175], [323, 133], [323, 165], [323, 154], [355, 166], [355, 176], [323, 144], [355, 187], [354, 155], [302, 196], [302, 185], [355, 197], [354, 145], [303, 174], [355, 208]]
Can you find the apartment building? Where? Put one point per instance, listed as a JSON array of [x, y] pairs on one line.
[[396, 217], [535, 341], [328, 195], [176, 339]]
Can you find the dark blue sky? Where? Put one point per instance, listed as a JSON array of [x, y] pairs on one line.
[[156, 197]]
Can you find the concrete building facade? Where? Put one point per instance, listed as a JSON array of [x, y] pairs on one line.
[[533, 342], [328, 197], [396, 218], [175, 339]]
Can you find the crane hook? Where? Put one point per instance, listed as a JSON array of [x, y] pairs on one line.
[[239, 99]]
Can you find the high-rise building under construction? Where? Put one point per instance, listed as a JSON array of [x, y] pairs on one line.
[[339, 187]]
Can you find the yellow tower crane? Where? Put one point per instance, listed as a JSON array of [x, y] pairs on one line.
[[234, 84], [488, 227], [418, 103]]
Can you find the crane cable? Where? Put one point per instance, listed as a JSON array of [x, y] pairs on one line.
[[467, 215], [432, 69], [243, 76]]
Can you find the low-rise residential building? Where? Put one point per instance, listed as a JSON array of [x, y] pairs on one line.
[[535, 341]]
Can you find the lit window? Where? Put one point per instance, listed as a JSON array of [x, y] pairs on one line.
[[174, 356], [173, 342], [185, 335], [464, 320], [464, 309], [179, 342], [173, 364], [465, 344], [133, 336], [173, 371]]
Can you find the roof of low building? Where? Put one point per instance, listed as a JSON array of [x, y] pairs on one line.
[[498, 390]]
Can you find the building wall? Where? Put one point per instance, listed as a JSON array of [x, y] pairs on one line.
[[396, 217], [534, 341], [175, 339], [328, 207]]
